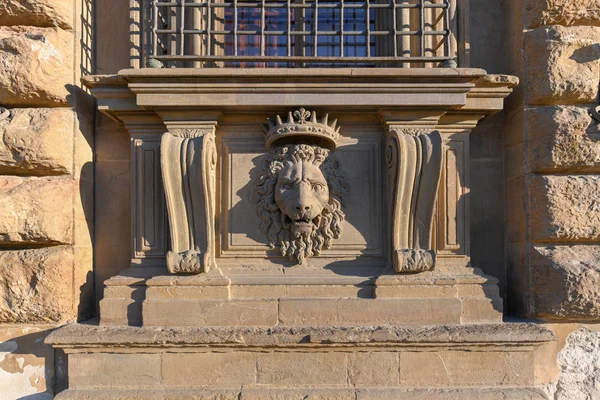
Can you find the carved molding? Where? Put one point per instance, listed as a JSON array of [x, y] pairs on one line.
[[414, 164], [188, 161]]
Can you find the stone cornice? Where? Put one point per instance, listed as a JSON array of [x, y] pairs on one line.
[[462, 90]]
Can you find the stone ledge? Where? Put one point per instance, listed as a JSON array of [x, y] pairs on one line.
[[87, 335], [249, 393]]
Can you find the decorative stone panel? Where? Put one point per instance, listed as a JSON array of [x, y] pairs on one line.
[[562, 12], [37, 66], [566, 281], [563, 65], [36, 211], [37, 13], [564, 208], [36, 141], [36, 285], [563, 139]]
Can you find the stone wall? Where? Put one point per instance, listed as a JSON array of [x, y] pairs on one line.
[[552, 162], [46, 193]]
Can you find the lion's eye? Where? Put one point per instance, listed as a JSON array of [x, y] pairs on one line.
[[318, 187]]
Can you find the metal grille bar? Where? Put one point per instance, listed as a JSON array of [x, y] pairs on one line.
[[299, 33]]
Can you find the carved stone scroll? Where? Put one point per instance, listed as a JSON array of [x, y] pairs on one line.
[[188, 161], [414, 161]]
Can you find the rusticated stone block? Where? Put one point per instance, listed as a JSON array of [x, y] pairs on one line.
[[37, 66], [563, 139], [564, 207], [37, 13], [563, 65], [36, 285], [36, 211], [578, 363], [37, 141], [562, 12], [566, 282]]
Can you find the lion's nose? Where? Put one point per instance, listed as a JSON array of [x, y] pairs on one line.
[[301, 207]]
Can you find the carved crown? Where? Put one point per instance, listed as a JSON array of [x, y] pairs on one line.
[[302, 126]]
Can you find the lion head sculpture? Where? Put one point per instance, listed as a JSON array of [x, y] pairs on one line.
[[298, 197]]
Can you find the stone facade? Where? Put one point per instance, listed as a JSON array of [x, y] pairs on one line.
[[45, 190], [66, 179], [550, 139]]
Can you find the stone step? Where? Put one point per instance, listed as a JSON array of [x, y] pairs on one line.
[[359, 393], [387, 362], [301, 299]]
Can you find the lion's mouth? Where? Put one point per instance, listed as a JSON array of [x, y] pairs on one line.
[[301, 224]]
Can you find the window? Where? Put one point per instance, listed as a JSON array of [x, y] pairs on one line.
[[298, 33]]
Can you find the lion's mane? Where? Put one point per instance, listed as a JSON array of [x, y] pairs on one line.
[[332, 217]]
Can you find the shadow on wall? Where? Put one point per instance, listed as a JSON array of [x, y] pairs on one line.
[[586, 54], [29, 369]]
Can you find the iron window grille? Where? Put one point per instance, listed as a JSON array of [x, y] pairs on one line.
[[294, 33]]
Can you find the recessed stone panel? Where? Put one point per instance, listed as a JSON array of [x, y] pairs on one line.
[[243, 154]]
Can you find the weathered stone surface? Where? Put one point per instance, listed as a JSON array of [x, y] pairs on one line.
[[562, 65], [36, 211], [562, 12], [37, 13], [566, 282], [35, 285], [564, 208], [37, 141], [579, 364], [26, 363], [36, 66], [563, 139]]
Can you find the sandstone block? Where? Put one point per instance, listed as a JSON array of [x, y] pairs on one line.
[[210, 312], [562, 12], [563, 65], [373, 368], [35, 285], [564, 207], [37, 13], [466, 368], [283, 368], [113, 369], [209, 369], [35, 211], [37, 141], [37, 66], [566, 282], [563, 139]]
